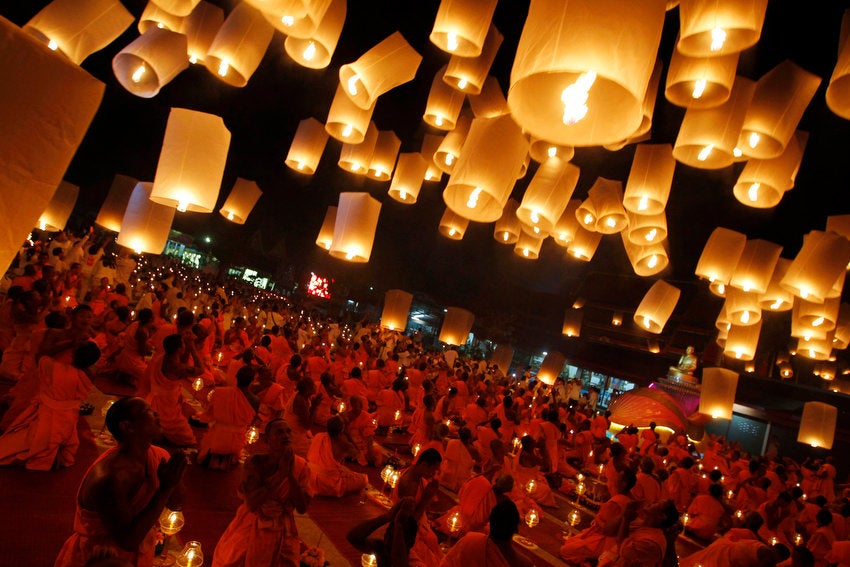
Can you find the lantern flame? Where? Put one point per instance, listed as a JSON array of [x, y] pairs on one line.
[[705, 152], [753, 140], [438, 120], [753, 192], [575, 96], [643, 204], [699, 88], [650, 236], [737, 152], [352, 85], [223, 67], [230, 216], [288, 20], [52, 45], [718, 38], [449, 159], [310, 51], [138, 73], [552, 151], [653, 261], [588, 218], [462, 84], [451, 41], [346, 132], [473, 198]]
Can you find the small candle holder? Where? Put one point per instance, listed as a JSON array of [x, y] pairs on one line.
[[170, 523], [252, 435], [191, 556], [532, 518], [368, 560]]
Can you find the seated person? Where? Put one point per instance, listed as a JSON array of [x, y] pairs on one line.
[[705, 513], [496, 549], [325, 456]]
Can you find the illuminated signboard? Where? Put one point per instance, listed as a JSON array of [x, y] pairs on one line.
[[318, 286]]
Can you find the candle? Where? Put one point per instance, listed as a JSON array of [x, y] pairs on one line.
[[574, 518], [685, 519], [531, 487], [198, 384], [532, 518], [580, 488], [416, 449], [368, 560], [739, 514], [397, 415], [252, 435], [798, 539]]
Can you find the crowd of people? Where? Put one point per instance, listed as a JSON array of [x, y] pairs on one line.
[[323, 394]]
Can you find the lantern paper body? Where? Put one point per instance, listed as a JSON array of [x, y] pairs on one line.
[[561, 44], [648, 259], [430, 143], [584, 244], [150, 61], [239, 45], [146, 224], [467, 74], [200, 28], [645, 230], [461, 26], [801, 328], [841, 340], [818, 264], [755, 266], [780, 98], [648, 106], [650, 179], [717, 394], [177, 7], [572, 322], [816, 348], [154, 16], [742, 307], [528, 246], [299, 18], [720, 255], [508, 226], [41, 131], [452, 225], [456, 326], [656, 307], [444, 103], [396, 309], [316, 51], [838, 91], [551, 368], [821, 316], [490, 102], [191, 163], [355, 158], [817, 426], [347, 122], [389, 64], [241, 201], [740, 21], [78, 28], [326, 233], [58, 210], [700, 82], [447, 153], [777, 298], [742, 340], [763, 182], [113, 207], [547, 195], [502, 357], [354, 229], [408, 177], [566, 227], [607, 196], [382, 164], [307, 146], [541, 150], [487, 168]]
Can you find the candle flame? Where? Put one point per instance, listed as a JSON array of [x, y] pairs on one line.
[[575, 97]]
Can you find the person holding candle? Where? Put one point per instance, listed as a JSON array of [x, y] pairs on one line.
[[494, 550], [167, 374], [230, 412], [393, 550]]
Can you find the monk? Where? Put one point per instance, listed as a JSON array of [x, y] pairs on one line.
[[167, 374], [648, 541], [495, 550], [476, 500], [361, 432], [461, 457], [231, 412], [705, 513], [419, 482], [393, 550], [327, 451], [130, 360]]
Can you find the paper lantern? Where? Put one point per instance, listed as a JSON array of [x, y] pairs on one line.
[[742, 307], [742, 340], [467, 74], [837, 288], [716, 27], [508, 226], [841, 339], [780, 98], [346, 121], [452, 225], [326, 232], [146, 224], [490, 102], [447, 153], [154, 16], [700, 82], [444, 103], [461, 26], [239, 45], [316, 50], [307, 146], [755, 266], [645, 230], [817, 426], [611, 217], [657, 306], [241, 201], [354, 228], [113, 207], [523, 168], [547, 195], [200, 28], [486, 169], [586, 213], [648, 260], [177, 7], [812, 273], [355, 158], [551, 368], [572, 82], [528, 246], [149, 62], [572, 322], [389, 64], [777, 298], [78, 28], [708, 137], [648, 106], [722, 323], [541, 150], [801, 328], [566, 227], [617, 319], [722, 336], [191, 162], [763, 182], [37, 146], [821, 316], [584, 244], [839, 224], [717, 392], [650, 179], [816, 348], [396, 309], [502, 357], [838, 90], [59, 209], [382, 164], [430, 144], [456, 326], [295, 18], [408, 177], [720, 255]]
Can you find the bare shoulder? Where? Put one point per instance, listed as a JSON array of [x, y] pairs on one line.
[[112, 480]]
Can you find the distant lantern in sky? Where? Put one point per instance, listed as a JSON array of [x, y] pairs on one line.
[[177, 7], [508, 226], [407, 180], [307, 146], [717, 396], [430, 144], [528, 245], [294, 18], [565, 229], [755, 266], [346, 121], [547, 195], [490, 102], [502, 357], [150, 61], [607, 195], [113, 207], [780, 98], [460, 27], [390, 63], [763, 182], [708, 137], [191, 162], [816, 348], [456, 326], [818, 264], [241, 200], [447, 153], [572, 81], [59, 209], [486, 169], [838, 91], [354, 229], [720, 255], [650, 179], [551, 367], [700, 82], [572, 322], [584, 244], [384, 156], [146, 224], [645, 230], [541, 150], [710, 28], [742, 341], [155, 17], [777, 298], [326, 232], [586, 213], [78, 28], [444, 103], [841, 340], [316, 50], [452, 225], [467, 74], [817, 425], [742, 307], [355, 157], [396, 309], [239, 45], [647, 259], [200, 28], [656, 307]]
